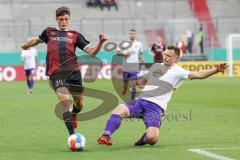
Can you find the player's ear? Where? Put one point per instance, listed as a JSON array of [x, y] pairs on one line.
[[177, 58]]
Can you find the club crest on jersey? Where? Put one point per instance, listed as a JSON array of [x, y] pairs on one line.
[[69, 34], [53, 33]]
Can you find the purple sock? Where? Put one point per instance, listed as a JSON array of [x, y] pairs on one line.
[[133, 93], [112, 125], [29, 84]]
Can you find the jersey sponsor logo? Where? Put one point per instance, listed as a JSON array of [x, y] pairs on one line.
[[61, 39], [52, 33]]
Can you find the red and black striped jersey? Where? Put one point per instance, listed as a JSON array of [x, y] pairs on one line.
[[61, 46], [158, 50]]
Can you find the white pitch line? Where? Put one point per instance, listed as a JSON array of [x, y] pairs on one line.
[[209, 154], [221, 148]]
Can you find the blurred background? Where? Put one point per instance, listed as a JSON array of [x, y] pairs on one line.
[[185, 23]]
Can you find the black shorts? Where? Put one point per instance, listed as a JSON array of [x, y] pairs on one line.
[[72, 80]]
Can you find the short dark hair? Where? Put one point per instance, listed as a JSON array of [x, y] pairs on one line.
[[63, 11], [132, 30], [176, 50]]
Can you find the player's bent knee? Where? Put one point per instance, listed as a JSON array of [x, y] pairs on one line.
[[152, 140], [121, 110], [152, 135], [63, 97], [62, 93]]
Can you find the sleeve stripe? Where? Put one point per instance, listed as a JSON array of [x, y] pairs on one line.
[[86, 46], [40, 38]]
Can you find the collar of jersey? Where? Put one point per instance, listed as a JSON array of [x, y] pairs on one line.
[[170, 66], [60, 29]]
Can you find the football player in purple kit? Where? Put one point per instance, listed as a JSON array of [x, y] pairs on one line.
[[30, 60], [62, 67], [151, 104], [131, 59]]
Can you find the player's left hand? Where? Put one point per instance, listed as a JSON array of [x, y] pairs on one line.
[[102, 37], [135, 83], [221, 67]]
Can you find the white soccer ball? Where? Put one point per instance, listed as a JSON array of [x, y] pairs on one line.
[[76, 142]]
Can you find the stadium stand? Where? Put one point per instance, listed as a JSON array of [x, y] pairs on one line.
[[173, 17]]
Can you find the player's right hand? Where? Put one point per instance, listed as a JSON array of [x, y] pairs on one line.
[[24, 47], [221, 67], [102, 37]]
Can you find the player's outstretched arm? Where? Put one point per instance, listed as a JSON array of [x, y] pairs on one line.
[[207, 73], [32, 42], [93, 50]]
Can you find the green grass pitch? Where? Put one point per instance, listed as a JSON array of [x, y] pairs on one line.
[[201, 114]]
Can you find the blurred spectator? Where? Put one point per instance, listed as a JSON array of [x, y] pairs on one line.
[[94, 3], [190, 38], [182, 44], [114, 3], [108, 4], [200, 39], [97, 3], [89, 3], [182, 47], [157, 49]]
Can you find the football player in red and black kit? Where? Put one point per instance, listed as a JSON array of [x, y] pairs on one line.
[[62, 67], [158, 48]]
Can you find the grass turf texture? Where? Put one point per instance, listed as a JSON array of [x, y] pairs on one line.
[[30, 130]]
